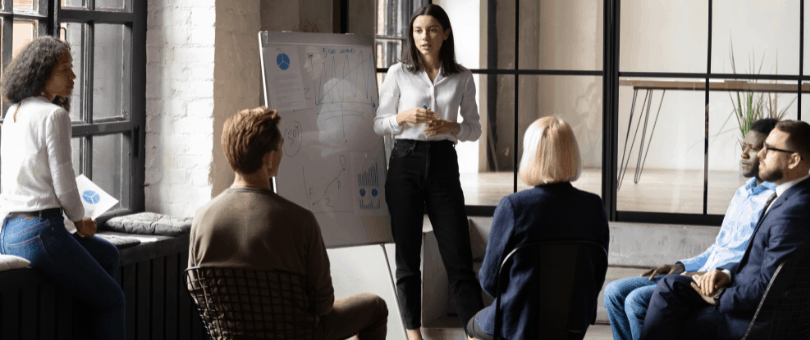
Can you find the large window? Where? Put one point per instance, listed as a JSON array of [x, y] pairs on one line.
[[658, 91], [691, 75], [518, 79], [108, 40]]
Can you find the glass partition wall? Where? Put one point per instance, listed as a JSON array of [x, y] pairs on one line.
[[659, 92]]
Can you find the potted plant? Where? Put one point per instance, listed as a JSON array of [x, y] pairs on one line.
[[750, 106]]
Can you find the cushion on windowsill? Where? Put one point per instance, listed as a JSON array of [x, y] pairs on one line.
[[9, 262], [147, 223], [120, 242]]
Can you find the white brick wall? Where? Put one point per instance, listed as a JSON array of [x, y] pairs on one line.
[[202, 67], [179, 72]]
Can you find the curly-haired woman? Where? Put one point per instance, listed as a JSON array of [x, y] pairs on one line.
[[38, 184]]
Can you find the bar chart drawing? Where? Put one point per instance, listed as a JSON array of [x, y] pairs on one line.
[[368, 178], [369, 185]]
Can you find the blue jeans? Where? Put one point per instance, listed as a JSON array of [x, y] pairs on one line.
[[626, 301], [83, 267]]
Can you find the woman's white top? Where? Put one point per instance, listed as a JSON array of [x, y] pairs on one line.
[[447, 97], [37, 172]]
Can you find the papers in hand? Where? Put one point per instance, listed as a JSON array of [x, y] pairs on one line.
[[94, 200]]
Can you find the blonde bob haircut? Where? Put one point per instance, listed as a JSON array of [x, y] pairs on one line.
[[550, 153]]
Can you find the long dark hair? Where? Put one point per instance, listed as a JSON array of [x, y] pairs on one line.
[[26, 74], [411, 56]]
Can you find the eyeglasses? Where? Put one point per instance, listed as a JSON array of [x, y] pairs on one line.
[[771, 148], [745, 147]]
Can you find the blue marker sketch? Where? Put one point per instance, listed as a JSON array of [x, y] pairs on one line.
[[363, 192], [283, 61], [374, 192], [91, 197], [325, 186]]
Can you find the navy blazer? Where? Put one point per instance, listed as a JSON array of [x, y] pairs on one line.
[[781, 231], [549, 212]]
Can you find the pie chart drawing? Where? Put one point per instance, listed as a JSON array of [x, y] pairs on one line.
[[91, 197], [283, 61]]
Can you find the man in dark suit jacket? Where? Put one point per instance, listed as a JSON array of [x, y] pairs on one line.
[[721, 303]]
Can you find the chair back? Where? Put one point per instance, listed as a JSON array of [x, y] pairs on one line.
[[560, 264], [784, 311], [238, 303]]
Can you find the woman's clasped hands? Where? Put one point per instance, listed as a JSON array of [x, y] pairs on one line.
[[433, 125]]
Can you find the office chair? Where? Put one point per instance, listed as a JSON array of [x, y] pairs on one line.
[[252, 304], [784, 311], [560, 259]]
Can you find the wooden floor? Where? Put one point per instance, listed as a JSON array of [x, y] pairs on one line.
[[667, 191]]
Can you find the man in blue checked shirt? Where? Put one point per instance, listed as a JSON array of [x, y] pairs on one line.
[[627, 300]]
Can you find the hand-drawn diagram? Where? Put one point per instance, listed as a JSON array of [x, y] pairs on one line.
[[292, 139], [369, 194], [343, 89], [330, 192]]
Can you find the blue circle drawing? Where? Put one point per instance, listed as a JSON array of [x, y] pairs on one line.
[[362, 192], [283, 61], [91, 197], [374, 192]]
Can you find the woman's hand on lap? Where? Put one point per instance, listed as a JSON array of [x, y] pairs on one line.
[[415, 115], [85, 227]]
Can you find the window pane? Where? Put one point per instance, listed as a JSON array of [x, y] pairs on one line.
[[665, 36], [765, 36], [576, 100], [671, 125], [24, 6], [74, 34], [393, 17], [111, 72], [486, 166], [110, 4], [806, 104], [73, 3], [24, 32], [725, 154], [76, 154], [388, 52], [471, 28], [109, 170], [560, 34]]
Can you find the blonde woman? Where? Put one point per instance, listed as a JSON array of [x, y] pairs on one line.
[[552, 210]]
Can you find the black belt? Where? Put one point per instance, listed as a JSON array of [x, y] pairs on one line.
[[416, 144], [39, 213]]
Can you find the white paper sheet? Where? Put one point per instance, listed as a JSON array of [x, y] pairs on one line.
[[94, 200], [285, 82]]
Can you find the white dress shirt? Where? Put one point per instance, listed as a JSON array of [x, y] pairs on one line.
[[445, 96], [780, 189], [37, 171]]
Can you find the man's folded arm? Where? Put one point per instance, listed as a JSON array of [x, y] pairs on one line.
[[785, 237]]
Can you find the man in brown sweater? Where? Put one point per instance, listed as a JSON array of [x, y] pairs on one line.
[[249, 226]]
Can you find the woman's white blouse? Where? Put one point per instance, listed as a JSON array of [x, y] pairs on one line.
[[446, 96], [37, 172]]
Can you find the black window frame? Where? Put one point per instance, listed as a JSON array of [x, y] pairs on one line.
[[611, 74], [133, 16]]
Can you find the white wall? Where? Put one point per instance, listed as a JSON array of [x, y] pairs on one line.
[[192, 46], [465, 19], [180, 73]]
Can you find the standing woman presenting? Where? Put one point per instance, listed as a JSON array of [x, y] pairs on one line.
[[38, 184], [420, 101]]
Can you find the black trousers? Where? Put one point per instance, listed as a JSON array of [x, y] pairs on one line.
[[425, 175], [676, 311]]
